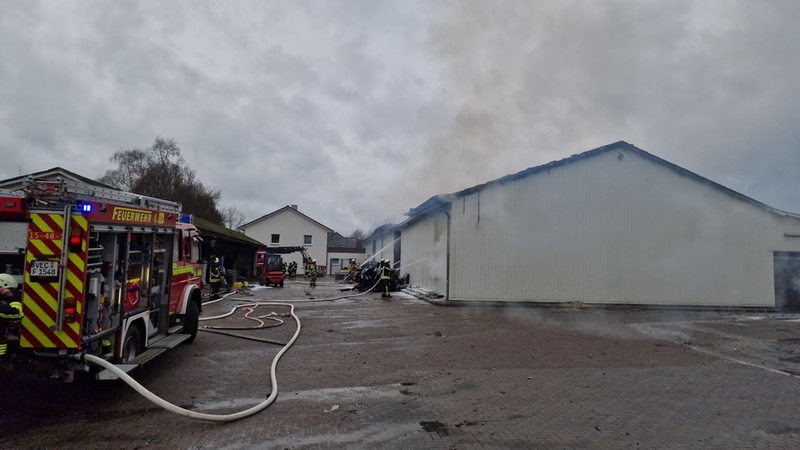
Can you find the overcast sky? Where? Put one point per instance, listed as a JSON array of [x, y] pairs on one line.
[[357, 111]]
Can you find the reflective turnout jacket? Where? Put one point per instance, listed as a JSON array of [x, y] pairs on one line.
[[10, 310]]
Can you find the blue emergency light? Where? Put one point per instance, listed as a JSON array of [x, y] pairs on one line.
[[84, 207]]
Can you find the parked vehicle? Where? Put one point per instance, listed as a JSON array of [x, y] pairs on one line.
[[273, 271], [103, 272]]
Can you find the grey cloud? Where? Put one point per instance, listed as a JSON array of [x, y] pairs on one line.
[[357, 111]]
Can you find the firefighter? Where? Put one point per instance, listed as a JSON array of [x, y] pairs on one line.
[[352, 271], [215, 278], [10, 307], [386, 277], [311, 271]]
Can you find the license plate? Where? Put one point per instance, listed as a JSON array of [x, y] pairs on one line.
[[44, 269]]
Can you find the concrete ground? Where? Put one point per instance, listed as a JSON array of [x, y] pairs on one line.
[[406, 374]]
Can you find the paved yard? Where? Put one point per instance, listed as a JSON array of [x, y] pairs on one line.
[[406, 374]]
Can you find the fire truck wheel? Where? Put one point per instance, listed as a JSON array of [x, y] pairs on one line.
[[132, 345], [191, 321]]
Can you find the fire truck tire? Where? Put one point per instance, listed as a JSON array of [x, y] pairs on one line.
[[132, 345], [191, 321]]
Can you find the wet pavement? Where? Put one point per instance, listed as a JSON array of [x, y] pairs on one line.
[[407, 374]]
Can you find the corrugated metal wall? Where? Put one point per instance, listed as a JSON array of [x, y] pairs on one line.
[[424, 255], [612, 228]]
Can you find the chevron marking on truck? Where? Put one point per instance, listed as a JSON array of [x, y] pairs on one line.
[[45, 238]]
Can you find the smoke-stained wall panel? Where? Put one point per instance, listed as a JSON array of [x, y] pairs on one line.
[[424, 254]]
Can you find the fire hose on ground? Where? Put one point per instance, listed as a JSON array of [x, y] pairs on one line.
[[130, 381], [251, 308], [205, 416]]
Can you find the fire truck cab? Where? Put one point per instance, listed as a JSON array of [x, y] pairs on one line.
[[102, 272]]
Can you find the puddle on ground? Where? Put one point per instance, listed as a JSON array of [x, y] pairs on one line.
[[225, 405], [340, 395], [354, 324], [390, 390], [380, 435]]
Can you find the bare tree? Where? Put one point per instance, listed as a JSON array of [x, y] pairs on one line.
[[130, 167], [232, 217], [358, 234], [160, 171]]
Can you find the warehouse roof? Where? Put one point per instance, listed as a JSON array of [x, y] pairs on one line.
[[381, 230], [438, 203]]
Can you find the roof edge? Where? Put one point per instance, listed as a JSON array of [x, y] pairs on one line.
[[439, 203], [289, 207]]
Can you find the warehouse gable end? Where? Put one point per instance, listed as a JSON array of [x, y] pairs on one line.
[[611, 225]]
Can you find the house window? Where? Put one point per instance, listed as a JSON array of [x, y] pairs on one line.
[[276, 239], [306, 239]]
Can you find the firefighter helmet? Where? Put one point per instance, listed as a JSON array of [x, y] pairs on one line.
[[7, 281]]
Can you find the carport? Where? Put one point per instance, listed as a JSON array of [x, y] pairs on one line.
[[237, 250]]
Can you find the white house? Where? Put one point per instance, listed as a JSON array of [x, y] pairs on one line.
[[288, 227], [614, 225], [340, 251]]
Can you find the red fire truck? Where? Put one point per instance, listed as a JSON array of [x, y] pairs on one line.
[[103, 272]]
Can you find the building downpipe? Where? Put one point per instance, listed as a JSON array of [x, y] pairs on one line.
[[447, 261]]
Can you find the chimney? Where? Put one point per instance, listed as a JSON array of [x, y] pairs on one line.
[[294, 207]]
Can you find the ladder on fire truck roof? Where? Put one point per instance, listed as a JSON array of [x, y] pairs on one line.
[[65, 189], [11, 193]]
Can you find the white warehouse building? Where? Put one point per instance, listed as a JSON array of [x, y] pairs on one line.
[[614, 225]]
